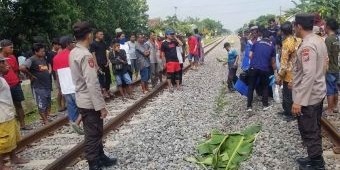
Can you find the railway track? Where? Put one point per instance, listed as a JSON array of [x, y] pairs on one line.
[[331, 126], [44, 144]]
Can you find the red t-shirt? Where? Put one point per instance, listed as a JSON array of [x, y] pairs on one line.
[[12, 76], [61, 60], [192, 43]]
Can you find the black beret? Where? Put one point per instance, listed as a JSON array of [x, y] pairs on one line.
[[306, 20]]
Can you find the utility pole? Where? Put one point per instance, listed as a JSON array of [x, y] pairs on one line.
[[176, 11], [280, 11]]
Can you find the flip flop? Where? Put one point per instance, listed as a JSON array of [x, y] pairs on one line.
[[26, 128]]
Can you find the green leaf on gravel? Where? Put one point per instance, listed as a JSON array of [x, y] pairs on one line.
[[251, 130], [191, 159], [226, 151], [204, 148]]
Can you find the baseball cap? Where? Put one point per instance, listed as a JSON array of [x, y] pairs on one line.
[[118, 30], [5, 43], [169, 32]]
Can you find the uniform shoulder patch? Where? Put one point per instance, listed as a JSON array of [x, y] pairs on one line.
[[91, 62], [305, 54]]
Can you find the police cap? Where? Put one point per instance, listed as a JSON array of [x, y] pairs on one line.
[[305, 20]]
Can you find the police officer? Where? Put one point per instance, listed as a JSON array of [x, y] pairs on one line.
[[89, 99], [309, 90]]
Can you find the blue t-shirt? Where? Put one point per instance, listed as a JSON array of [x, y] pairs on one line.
[[263, 52], [246, 61], [232, 54]]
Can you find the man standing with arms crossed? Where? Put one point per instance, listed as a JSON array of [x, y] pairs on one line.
[[309, 90], [89, 99]]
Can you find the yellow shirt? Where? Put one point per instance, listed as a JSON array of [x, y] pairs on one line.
[[288, 54]]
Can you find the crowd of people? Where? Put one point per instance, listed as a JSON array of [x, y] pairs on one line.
[[302, 57], [80, 69]]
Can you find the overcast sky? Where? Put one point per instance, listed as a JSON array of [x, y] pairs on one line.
[[232, 13]]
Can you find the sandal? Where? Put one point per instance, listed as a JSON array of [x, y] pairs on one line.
[[26, 128]]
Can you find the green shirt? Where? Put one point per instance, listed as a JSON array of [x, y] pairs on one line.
[[332, 44]]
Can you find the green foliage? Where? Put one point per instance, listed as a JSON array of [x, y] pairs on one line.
[[326, 8], [206, 26], [226, 151], [260, 21], [23, 19], [220, 99]]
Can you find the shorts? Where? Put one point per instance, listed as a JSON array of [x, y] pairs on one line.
[[331, 83], [9, 136], [145, 74], [17, 93], [192, 57], [172, 67], [120, 77], [43, 98]]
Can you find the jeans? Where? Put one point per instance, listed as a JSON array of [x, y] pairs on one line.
[[145, 74], [123, 77], [72, 108], [43, 98], [263, 76]]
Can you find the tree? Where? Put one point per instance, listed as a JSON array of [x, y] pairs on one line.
[[21, 20], [326, 8]]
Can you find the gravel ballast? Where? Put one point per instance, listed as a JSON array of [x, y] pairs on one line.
[[169, 128]]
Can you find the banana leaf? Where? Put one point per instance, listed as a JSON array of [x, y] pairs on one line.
[[226, 151]]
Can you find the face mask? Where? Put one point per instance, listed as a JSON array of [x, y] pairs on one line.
[[122, 41]]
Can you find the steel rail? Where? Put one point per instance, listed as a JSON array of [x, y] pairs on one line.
[[57, 124], [332, 133], [70, 157]]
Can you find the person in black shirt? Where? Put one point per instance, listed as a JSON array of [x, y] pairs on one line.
[[36, 68], [56, 47], [98, 49], [168, 50], [50, 55]]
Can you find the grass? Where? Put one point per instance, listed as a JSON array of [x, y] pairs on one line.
[[209, 40], [220, 101], [30, 106]]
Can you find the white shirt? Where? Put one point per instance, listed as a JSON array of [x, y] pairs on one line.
[[65, 81], [179, 54], [6, 102], [125, 47]]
